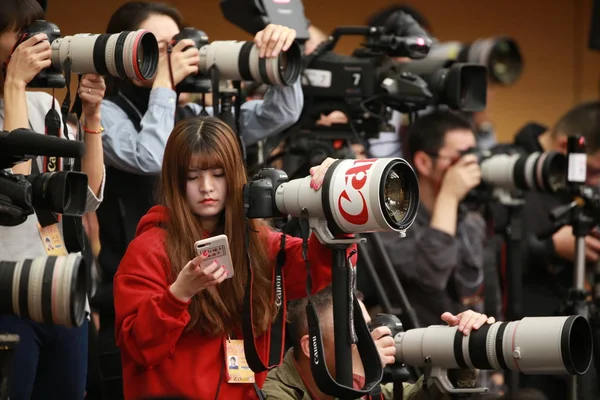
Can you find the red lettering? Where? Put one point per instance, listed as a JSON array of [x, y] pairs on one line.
[[357, 175], [356, 219]]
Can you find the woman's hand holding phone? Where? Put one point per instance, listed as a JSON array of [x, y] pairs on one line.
[[194, 278]]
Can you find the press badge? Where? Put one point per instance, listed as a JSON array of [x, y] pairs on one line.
[[236, 366], [52, 240]]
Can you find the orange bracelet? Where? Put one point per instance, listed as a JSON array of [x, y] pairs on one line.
[[86, 130]]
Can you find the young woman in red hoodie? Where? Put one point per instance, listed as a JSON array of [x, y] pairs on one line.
[[174, 319]]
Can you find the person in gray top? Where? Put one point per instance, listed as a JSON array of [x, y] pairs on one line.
[[140, 149], [440, 262], [50, 361]]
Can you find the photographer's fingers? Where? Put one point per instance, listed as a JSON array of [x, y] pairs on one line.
[[284, 34], [182, 44], [291, 36], [450, 318], [319, 175], [467, 160], [466, 321], [380, 332], [262, 39], [39, 42]]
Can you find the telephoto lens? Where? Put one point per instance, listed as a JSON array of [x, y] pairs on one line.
[[49, 290], [541, 172], [240, 61], [357, 196], [536, 345], [127, 55]]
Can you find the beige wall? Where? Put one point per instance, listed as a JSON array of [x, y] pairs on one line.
[[559, 70]]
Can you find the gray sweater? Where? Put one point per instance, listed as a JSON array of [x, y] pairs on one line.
[[23, 241]]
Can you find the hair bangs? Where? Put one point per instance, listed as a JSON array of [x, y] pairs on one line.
[[16, 15]]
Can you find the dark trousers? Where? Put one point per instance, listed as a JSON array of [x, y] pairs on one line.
[[50, 362]]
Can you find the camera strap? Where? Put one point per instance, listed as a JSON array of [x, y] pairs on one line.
[[274, 337], [367, 349], [72, 226]]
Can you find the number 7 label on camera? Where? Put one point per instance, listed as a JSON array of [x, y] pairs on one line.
[[236, 366]]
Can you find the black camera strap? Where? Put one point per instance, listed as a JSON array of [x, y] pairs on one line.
[[275, 335], [72, 226], [366, 345]]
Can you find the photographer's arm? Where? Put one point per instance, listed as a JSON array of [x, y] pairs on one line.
[[280, 109], [91, 92], [134, 151], [27, 60], [425, 257], [149, 318], [15, 115]]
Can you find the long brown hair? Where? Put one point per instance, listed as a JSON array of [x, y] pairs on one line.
[[216, 310]]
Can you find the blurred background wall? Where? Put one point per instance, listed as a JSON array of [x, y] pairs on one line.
[[559, 69]]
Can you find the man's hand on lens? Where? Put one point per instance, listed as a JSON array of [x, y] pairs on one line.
[[185, 58], [564, 245], [274, 39], [28, 59], [461, 177], [382, 336], [467, 321]]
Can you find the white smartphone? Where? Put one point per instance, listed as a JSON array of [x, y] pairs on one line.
[[218, 249]]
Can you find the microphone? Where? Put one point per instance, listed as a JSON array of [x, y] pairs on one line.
[[21, 144]]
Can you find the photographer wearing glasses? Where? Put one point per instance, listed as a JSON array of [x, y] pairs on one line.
[[440, 261], [50, 360]]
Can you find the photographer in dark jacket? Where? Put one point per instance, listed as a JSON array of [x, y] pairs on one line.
[[548, 262]]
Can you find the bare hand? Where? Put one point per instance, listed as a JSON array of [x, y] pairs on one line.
[[564, 245], [28, 59], [193, 278], [382, 336], [461, 177], [467, 320], [91, 91], [185, 58], [273, 39], [318, 173]]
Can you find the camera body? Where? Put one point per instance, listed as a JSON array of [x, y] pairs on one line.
[[50, 77], [198, 83], [259, 194]]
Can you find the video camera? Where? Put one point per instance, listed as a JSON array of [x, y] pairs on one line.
[[500, 55], [237, 60], [62, 192], [370, 81], [537, 345], [132, 55]]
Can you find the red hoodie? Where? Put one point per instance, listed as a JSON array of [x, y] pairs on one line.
[[159, 358]]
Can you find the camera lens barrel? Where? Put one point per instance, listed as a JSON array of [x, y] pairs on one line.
[[127, 55], [357, 196], [240, 61], [542, 172], [51, 290], [537, 345]]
